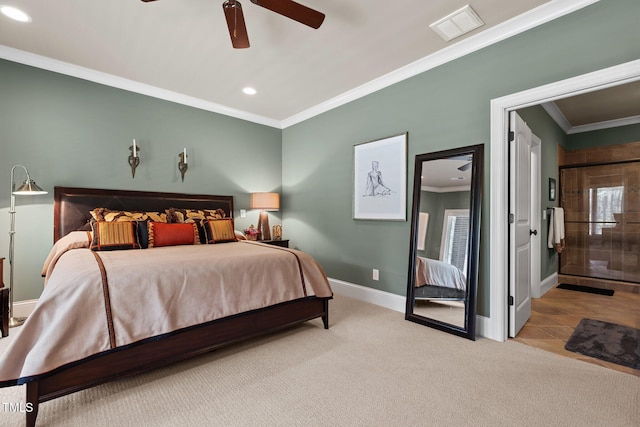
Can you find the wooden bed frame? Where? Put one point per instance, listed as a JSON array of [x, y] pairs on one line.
[[71, 211]]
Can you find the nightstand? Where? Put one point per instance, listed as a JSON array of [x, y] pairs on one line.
[[281, 243], [4, 304]]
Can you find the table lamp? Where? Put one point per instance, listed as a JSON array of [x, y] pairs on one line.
[[265, 202]]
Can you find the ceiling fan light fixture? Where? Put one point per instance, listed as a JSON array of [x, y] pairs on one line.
[[15, 13]]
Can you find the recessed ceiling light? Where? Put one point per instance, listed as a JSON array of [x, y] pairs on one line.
[[15, 13], [249, 91]]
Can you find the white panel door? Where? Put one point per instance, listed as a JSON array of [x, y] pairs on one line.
[[519, 224]]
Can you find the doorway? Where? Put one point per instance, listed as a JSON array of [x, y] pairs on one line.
[[496, 327]]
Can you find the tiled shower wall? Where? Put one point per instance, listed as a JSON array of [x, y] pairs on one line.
[[602, 213]]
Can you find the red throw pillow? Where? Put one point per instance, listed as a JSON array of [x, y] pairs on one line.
[[162, 234]]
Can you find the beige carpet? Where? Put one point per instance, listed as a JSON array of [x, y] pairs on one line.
[[371, 368]]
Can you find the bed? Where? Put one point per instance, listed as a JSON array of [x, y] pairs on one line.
[[145, 308], [439, 280]]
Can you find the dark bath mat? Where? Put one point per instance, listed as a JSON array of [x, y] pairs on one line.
[[606, 341], [588, 289]]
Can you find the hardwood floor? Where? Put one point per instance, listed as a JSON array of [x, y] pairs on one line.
[[558, 312]]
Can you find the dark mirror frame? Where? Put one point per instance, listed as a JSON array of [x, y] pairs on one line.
[[469, 329]]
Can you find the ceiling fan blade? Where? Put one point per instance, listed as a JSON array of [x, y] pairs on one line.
[[293, 10], [147, 1], [235, 22], [464, 167]]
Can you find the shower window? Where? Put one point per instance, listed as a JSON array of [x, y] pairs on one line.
[[603, 203]]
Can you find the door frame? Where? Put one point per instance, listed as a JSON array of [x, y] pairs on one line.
[[536, 209], [496, 327]]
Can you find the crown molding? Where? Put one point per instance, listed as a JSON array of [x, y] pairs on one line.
[[106, 79], [519, 24], [556, 115], [608, 124], [542, 14]]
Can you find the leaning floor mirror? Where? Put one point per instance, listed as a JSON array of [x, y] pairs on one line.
[[445, 236]]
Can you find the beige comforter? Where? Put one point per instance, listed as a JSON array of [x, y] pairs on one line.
[[96, 301]]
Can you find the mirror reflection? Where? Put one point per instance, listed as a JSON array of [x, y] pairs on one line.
[[443, 262]]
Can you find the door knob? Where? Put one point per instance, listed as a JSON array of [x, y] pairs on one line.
[[534, 232]]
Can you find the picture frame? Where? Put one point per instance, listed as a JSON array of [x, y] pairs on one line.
[[380, 179], [552, 189]]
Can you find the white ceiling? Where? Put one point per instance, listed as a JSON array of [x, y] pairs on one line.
[[180, 50], [443, 175]]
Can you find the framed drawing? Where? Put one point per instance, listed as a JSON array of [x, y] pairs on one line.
[[380, 179], [552, 189]]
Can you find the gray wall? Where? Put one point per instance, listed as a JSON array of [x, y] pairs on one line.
[[70, 132], [442, 108]]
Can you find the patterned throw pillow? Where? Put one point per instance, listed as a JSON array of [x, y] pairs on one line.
[[180, 216], [105, 214], [108, 236], [161, 234], [220, 230]]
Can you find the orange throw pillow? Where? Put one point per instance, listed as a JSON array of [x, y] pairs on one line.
[[162, 234]]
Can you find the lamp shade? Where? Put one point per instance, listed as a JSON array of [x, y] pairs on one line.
[[265, 201], [29, 188]]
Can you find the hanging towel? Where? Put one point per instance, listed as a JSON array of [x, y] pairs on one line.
[[556, 230]]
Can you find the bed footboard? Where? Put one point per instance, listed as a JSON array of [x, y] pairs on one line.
[[160, 351]]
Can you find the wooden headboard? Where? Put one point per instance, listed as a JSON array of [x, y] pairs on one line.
[[71, 205]]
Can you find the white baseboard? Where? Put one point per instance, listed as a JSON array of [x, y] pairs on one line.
[[370, 295], [24, 308], [393, 302], [548, 283], [483, 328]]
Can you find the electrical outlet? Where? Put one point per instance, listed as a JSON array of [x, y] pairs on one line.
[[243, 213], [376, 274]]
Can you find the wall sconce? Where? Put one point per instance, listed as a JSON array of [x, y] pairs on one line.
[[134, 159], [28, 188], [182, 163], [265, 202]]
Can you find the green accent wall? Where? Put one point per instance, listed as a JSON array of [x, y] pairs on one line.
[[442, 108], [599, 138], [71, 132]]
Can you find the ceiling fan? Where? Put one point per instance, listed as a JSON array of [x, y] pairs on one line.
[[466, 158], [290, 9]]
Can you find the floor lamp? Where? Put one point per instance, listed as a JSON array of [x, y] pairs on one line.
[[28, 188], [265, 202]]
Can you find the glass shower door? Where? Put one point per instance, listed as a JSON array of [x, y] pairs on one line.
[[602, 221]]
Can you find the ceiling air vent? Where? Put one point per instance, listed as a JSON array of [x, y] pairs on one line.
[[457, 23]]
